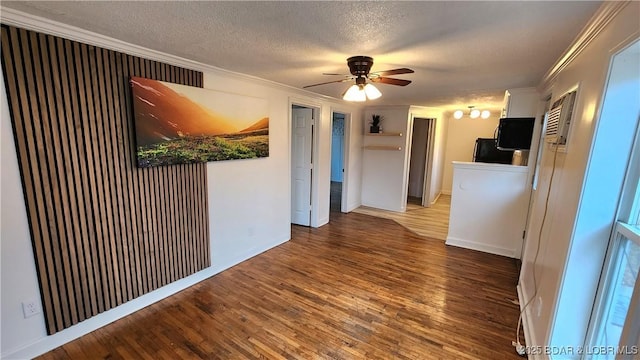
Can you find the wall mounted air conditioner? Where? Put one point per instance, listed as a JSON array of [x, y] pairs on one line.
[[559, 119]]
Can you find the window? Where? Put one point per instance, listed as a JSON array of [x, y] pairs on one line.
[[619, 289]]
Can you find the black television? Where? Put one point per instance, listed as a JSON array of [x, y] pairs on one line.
[[515, 133], [486, 151]]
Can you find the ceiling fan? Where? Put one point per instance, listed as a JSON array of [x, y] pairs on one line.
[[359, 67]]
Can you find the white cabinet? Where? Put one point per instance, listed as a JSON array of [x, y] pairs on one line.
[[522, 102]]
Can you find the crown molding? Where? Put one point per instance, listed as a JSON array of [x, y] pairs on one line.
[[603, 16], [28, 21]]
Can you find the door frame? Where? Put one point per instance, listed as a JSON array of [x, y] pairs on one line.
[[316, 107], [428, 171], [346, 141]]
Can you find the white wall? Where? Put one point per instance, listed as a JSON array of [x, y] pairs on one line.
[[385, 173], [461, 136], [612, 144], [561, 241], [383, 170], [249, 208]]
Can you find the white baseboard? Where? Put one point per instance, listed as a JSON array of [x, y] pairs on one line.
[[436, 199], [445, 192], [529, 335], [353, 206], [480, 247]]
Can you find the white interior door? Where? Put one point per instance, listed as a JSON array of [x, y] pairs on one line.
[[301, 165]]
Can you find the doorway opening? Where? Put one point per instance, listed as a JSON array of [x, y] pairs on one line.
[[337, 162], [421, 162], [339, 178], [302, 154]]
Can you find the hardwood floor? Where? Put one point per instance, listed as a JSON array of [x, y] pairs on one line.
[[431, 222], [358, 288]]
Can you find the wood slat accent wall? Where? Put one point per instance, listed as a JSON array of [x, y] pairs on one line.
[[103, 231]]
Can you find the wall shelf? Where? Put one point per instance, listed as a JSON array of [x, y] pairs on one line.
[[384, 134], [381, 147]]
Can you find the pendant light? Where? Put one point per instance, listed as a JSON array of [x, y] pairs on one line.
[[473, 113]]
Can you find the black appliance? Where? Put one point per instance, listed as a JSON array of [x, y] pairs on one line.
[[486, 151], [515, 133]]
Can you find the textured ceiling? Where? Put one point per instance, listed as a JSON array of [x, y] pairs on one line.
[[463, 53]]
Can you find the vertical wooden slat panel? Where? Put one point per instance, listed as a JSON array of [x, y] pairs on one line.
[[193, 263], [49, 181], [58, 210], [134, 204], [146, 179], [118, 139], [153, 180], [92, 247], [84, 201], [103, 231], [181, 219], [176, 223], [117, 252], [172, 226], [64, 159], [108, 168], [41, 183], [204, 207], [21, 113], [101, 176], [141, 254], [76, 150]]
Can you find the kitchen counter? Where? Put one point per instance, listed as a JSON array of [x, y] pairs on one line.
[[489, 204]]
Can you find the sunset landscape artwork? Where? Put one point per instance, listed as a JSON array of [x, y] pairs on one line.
[[178, 124]]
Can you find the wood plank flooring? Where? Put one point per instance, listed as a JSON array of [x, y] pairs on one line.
[[431, 222], [358, 288]]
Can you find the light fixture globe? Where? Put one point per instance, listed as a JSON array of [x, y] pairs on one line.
[[354, 93], [372, 92], [474, 113], [458, 114], [485, 114]]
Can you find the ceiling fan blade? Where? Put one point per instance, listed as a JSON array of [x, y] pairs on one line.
[[335, 74], [393, 72], [328, 82], [391, 81]]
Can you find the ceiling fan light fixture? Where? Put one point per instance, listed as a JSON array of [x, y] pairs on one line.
[[359, 67], [354, 93], [458, 114], [475, 113], [372, 92]]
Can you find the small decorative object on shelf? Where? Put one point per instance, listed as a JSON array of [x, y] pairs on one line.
[[375, 124]]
